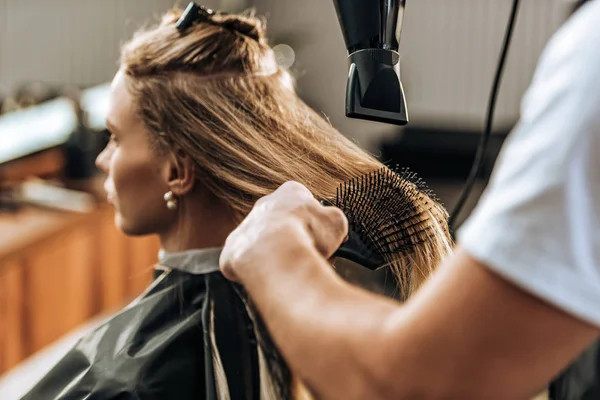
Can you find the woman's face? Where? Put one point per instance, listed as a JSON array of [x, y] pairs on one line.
[[137, 177]]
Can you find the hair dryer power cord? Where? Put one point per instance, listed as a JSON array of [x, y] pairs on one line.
[[483, 142]]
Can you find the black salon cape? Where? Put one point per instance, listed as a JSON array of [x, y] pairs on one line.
[[581, 380], [159, 347]]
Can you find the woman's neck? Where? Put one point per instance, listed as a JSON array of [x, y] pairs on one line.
[[174, 243], [197, 228]]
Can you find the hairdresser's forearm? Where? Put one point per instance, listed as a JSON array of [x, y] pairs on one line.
[[467, 334], [327, 330]]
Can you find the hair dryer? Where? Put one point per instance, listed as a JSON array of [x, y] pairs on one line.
[[371, 30]]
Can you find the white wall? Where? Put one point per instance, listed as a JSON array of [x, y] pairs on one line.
[[62, 41], [449, 52]]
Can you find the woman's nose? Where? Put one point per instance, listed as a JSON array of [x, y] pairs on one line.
[[103, 159]]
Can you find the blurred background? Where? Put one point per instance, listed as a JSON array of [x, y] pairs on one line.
[[63, 266]]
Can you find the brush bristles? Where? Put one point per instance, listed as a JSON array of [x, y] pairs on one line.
[[389, 210]]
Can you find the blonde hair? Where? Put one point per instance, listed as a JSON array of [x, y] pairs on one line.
[[215, 93]]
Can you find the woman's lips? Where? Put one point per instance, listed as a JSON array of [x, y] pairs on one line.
[[110, 198]]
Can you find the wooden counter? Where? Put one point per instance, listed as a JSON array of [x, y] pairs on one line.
[[59, 269]]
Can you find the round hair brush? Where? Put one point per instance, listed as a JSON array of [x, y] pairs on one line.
[[389, 213]]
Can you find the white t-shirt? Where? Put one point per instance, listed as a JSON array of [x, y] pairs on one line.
[[538, 223]]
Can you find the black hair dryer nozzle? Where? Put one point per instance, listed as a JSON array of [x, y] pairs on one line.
[[371, 30]]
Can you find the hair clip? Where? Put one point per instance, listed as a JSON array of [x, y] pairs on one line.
[[193, 13]]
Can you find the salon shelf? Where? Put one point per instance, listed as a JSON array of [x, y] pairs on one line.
[[58, 270]]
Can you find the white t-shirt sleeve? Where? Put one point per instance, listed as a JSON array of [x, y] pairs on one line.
[[538, 222]]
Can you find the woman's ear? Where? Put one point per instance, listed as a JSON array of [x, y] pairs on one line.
[[181, 174]]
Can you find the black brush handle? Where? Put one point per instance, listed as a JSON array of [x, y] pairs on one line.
[[351, 254], [354, 250]]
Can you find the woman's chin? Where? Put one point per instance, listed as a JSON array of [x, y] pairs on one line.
[[122, 225], [130, 229]]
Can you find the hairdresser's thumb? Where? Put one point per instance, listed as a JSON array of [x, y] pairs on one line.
[[330, 231], [232, 254]]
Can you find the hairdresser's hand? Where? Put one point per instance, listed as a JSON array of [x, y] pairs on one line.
[[283, 224]]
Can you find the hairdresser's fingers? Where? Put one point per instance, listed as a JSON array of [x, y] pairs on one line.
[[230, 253], [276, 220], [329, 228], [291, 196], [287, 197], [290, 217]]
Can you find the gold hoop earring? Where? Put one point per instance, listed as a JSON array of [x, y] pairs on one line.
[[171, 201]]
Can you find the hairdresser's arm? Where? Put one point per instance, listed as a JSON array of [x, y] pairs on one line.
[[467, 334]]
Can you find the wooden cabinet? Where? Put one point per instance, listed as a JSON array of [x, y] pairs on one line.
[[59, 269]]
